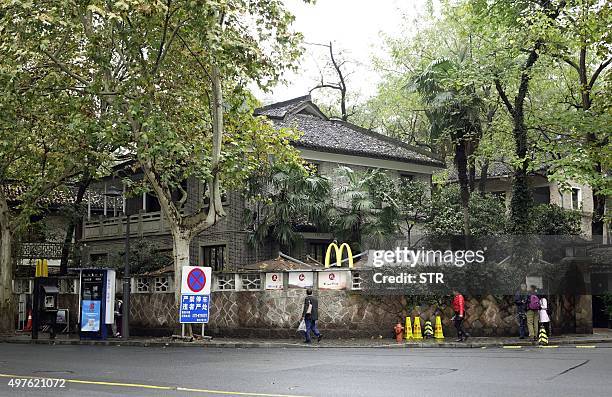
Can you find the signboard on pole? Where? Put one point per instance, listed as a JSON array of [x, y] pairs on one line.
[[301, 279], [274, 280], [194, 308], [110, 297], [333, 280], [196, 280]]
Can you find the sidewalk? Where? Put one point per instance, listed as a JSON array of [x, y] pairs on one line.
[[598, 336]]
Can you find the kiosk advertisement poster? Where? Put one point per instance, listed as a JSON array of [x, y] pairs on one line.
[[90, 316]]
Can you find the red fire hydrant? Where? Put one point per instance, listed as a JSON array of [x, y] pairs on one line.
[[399, 331]]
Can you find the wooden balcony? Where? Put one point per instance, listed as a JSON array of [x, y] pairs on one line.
[[143, 224]]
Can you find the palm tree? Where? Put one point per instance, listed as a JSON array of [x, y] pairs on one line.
[[291, 197], [454, 111], [361, 207]]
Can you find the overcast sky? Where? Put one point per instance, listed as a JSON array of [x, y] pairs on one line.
[[355, 26]]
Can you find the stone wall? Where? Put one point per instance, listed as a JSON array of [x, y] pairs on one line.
[[153, 314], [352, 314]]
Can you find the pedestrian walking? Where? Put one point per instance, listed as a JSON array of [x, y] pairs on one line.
[[533, 312], [520, 301], [458, 306], [544, 317], [310, 313]]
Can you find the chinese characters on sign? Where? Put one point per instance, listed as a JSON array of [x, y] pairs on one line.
[[194, 308]]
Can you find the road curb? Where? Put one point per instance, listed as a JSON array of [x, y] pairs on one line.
[[280, 345]]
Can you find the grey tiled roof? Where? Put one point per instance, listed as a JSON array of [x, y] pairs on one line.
[[280, 109], [337, 136], [58, 197], [496, 169]]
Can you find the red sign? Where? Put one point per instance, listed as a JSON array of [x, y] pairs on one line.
[[196, 280]]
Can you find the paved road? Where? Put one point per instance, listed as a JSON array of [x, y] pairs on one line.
[[133, 371]]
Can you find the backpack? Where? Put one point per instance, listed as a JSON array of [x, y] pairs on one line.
[[534, 302]]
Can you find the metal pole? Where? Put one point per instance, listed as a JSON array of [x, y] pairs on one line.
[[125, 326]]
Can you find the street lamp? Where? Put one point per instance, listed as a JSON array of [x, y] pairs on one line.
[[125, 329]]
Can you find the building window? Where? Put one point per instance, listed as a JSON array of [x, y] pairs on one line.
[[317, 250], [142, 284], [500, 195], [251, 281], [22, 286], [357, 280], [214, 256], [151, 203], [162, 284], [406, 178], [541, 195], [226, 282], [576, 198]]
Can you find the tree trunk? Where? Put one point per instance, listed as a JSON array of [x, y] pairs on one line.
[[7, 309], [75, 218], [180, 253], [461, 162], [521, 203], [484, 174]]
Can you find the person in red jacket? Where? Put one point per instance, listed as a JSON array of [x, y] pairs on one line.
[[458, 306]]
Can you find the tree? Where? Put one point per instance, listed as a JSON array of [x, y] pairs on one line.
[[487, 215], [172, 75], [511, 27], [582, 47], [285, 198], [454, 110], [45, 140], [361, 206], [338, 67]]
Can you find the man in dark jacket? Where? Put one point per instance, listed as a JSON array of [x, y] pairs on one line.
[[520, 300], [311, 315]]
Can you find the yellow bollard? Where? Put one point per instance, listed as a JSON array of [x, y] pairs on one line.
[[408, 329], [416, 333], [438, 334]]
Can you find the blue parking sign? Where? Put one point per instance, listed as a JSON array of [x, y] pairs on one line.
[[194, 308]]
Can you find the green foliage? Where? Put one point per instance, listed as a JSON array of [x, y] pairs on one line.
[[287, 197], [550, 219], [144, 257], [361, 206], [607, 298], [487, 214]]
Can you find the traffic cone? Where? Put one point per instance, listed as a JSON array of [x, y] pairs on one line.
[[428, 331], [542, 337], [28, 326], [408, 329], [438, 334], [416, 333]]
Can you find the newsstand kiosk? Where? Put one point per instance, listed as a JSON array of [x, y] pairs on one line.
[[96, 302]]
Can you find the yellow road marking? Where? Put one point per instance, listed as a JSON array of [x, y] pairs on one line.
[[585, 346], [144, 386], [233, 393], [512, 347]]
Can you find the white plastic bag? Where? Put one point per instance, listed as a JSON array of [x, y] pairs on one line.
[[302, 327]]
